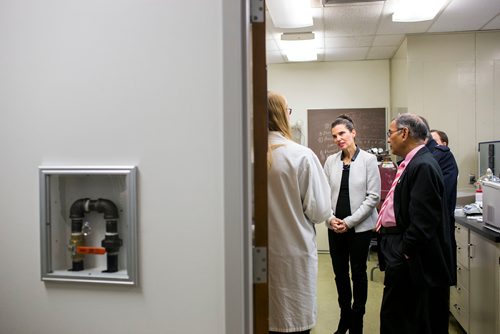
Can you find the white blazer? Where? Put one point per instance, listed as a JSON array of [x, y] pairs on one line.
[[364, 189], [298, 197]]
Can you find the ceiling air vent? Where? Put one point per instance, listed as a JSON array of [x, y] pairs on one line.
[[339, 2]]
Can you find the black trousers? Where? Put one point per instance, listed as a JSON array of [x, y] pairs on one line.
[[350, 249], [409, 308]]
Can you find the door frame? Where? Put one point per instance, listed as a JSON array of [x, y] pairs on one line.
[[245, 166]]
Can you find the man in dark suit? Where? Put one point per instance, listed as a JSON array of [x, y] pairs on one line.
[[415, 240]]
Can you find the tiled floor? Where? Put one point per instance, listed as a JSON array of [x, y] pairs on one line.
[[328, 310]]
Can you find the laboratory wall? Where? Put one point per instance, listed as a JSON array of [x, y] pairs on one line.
[[399, 81], [328, 85], [453, 81], [324, 85], [110, 83]]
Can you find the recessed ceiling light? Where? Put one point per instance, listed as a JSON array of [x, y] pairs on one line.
[[299, 46], [290, 13], [417, 10]]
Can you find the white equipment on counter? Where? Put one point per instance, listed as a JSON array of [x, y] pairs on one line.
[[491, 205]]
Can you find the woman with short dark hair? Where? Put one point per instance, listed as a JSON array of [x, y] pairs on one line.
[[355, 182]]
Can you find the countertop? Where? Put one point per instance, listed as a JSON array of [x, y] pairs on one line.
[[479, 228]]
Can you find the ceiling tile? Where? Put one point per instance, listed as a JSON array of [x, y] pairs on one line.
[[460, 15], [388, 40], [271, 45], [365, 30], [346, 54], [493, 24], [358, 19], [274, 57], [348, 42], [381, 52]]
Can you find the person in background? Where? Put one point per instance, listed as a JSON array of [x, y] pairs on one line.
[[298, 197], [440, 137], [415, 240], [449, 168], [355, 182]]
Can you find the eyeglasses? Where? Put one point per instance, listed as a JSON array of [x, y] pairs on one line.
[[389, 132], [289, 111]]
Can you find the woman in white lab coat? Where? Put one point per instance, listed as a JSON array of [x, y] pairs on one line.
[[299, 197]]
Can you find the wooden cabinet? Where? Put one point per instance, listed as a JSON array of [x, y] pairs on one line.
[[475, 301]]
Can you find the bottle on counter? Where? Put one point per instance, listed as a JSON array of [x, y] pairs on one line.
[[479, 197]]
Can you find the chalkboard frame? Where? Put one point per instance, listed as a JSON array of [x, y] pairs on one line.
[[370, 125]]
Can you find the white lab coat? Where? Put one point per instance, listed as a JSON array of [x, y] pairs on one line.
[[298, 197]]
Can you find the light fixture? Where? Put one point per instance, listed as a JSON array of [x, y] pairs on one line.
[[299, 46], [416, 10], [290, 13]]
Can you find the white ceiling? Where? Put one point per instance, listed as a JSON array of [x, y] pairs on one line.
[[364, 30]]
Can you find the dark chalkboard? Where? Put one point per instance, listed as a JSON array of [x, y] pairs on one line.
[[369, 123]]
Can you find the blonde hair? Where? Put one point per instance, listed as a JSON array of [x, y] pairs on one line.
[[278, 114], [278, 120]]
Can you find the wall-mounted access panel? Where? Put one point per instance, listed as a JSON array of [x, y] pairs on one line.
[[88, 224]]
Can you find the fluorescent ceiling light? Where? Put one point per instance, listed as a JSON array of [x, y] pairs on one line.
[[299, 47], [416, 10], [301, 55], [290, 13]]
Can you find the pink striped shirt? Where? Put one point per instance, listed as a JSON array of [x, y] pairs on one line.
[[386, 215]]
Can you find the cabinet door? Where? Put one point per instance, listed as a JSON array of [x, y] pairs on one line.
[[461, 235], [483, 282], [462, 238], [459, 305]]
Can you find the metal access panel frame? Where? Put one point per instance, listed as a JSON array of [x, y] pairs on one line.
[[63, 186]]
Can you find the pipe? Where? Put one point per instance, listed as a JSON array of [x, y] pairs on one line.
[[77, 209], [112, 244], [105, 206], [76, 241], [111, 241]]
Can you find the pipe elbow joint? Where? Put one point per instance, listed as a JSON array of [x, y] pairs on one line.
[[105, 206], [78, 208], [108, 208]]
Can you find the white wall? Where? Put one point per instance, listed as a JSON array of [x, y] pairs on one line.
[[109, 83], [441, 88], [399, 81], [322, 85], [488, 86], [453, 81]]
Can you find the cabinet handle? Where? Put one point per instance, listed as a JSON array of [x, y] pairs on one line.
[[472, 251]]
